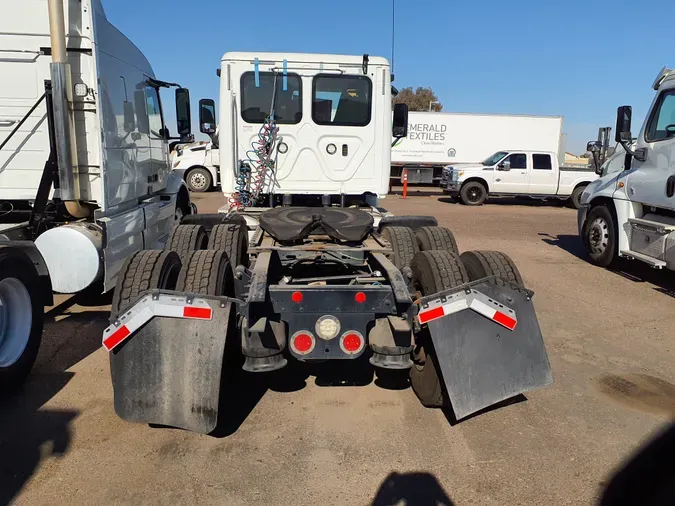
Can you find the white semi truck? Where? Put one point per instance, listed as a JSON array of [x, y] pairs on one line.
[[631, 213], [323, 274], [436, 140], [84, 164]]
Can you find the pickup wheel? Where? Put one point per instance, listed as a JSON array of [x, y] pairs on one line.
[[433, 271], [187, 238], [575, 198], [142, 271], [599, 236], [473, 193], [232, 238], [199, 180], [404, 244], [207, 272], [481, 264], [440, 238], [21, 318]]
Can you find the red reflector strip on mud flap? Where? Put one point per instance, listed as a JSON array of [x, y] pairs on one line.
[[168, 306], [474, 300]]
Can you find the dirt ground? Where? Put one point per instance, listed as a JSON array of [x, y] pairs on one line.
[[319, 441]]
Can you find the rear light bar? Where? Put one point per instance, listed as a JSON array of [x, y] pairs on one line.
[[474, 300], [147, 308]]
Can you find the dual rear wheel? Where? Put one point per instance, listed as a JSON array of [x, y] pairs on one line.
[[433, 257]]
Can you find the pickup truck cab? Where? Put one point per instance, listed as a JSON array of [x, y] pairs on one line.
[[198, 165], [535, 174]]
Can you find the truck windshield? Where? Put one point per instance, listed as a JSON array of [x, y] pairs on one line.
[[494, 158]]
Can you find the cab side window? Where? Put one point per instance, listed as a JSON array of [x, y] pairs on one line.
[[541, 162], [154, 111], [662, 122], [518, 161]]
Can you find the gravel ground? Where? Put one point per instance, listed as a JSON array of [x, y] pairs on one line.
[[315, 440]]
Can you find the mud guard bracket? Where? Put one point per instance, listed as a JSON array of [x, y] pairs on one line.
[[486, 358], [168, 370]]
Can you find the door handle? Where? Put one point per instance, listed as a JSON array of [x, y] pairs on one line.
[[7, 122], [498, 179]]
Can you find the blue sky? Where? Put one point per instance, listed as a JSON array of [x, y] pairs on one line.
[[579, 59]]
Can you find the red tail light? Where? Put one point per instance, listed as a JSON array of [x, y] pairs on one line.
[[302, 343], [296, 297], [360, 297], [352, 342]]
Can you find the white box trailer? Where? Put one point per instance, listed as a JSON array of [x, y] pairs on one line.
[[438, 139]]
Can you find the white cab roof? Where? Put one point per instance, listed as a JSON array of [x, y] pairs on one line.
[[305, 58]]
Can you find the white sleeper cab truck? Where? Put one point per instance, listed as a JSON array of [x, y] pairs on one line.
[[437, 139], [324, 274], [631, 213], [535, 174], [84, 164]]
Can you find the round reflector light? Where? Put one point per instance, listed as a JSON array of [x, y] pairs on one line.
[[302, 343], [352, 343], [360, 297], [327, 327], [296, 297]]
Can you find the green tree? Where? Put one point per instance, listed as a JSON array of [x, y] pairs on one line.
[[419, 99]]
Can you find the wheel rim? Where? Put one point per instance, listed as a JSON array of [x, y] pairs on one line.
[[197, 180], [16, 320], [474, 194], [598, 236]]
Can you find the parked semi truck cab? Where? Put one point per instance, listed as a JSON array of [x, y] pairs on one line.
[[631, 213]]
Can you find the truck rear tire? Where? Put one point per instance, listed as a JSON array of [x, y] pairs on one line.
[[433, 271], [207, 272], [403, 243], [575, 198], [473, 193], [21, 318], [199, 180], [481, 264], [185, 239], [436, 238], [599, 236], [232, 238], [142, 271]]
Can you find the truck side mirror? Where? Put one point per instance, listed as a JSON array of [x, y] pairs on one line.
[[183, 115], [594, 148], [129, 117], [207, 116], [400, 128], [624, 116], [505, 166]]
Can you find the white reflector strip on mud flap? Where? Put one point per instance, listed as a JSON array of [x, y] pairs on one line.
[[168, 306], [474, 300]]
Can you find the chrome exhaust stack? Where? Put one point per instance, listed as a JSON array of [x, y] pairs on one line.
[[64, 121]]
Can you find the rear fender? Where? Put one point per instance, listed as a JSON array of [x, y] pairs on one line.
[[28, 251], [166, 359], [488, 343]]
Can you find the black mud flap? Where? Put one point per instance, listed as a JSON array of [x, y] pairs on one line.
[[169, 371], [482, 361]]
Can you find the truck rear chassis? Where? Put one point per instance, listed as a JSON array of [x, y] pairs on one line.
[[320, 298]]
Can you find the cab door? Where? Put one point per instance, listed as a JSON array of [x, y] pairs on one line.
[[157, 168], [654, 184], [512, 175], [543, 176]]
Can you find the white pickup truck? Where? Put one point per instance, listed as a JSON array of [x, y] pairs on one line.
[[535, 174]]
